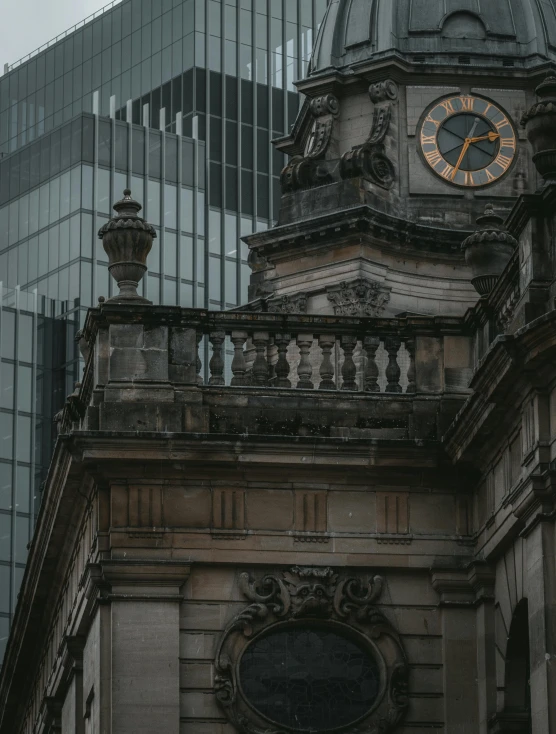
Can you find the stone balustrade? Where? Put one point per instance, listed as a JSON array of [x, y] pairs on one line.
[[191, 369]]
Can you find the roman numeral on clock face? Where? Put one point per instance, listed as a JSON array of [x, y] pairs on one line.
[[447, 172], [436, 123], [448, 106], [503, 160], [428, 139], [434, 157], [467, 103]]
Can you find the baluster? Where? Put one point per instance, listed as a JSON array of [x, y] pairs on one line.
[[305, 368], [411, 372], [371, 344], [260, 365], [272, 358], [349, 370], [393, 372], [239, 365], [216, 363], [198, 362], [282, 368], [327, 344]]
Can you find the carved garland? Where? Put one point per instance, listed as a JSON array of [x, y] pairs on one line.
[[359, 298], [315, 596]]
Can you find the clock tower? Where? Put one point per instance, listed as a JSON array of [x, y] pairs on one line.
[[410, 127]]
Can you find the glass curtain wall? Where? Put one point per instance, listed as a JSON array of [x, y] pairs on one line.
[[36, 341], [57, 192]]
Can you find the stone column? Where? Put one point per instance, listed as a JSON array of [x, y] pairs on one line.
[[459, 651], [143, 600]]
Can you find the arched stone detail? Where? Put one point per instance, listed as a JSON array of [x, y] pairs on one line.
[[464, 24]]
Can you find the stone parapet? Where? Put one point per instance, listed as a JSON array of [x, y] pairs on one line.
[[183, 370]]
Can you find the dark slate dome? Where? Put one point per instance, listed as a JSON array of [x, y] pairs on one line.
[[496, 32]]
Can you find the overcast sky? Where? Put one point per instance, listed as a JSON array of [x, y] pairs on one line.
[[28, 24]]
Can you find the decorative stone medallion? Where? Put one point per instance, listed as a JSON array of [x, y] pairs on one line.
[[311, 653]]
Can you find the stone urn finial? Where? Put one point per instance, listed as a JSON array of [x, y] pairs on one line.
[[540, 124], [488, 250], [127, 240]]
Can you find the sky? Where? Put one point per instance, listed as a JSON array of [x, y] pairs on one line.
[[29, 24]]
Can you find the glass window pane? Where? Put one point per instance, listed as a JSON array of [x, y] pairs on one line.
[[170, 254], [6, 435], [7, 385], [25, 338], [186, 210], [7, 334], [5, 537], [24, 388], [186, 258], [5, 595], [153, 202], [103, 195], [5, 486], [21, 538], [215, 219], [23, 489], [65, 189], [231, 282], [215, 268], [170, 206]]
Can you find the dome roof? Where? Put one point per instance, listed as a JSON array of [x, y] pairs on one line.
[[357, 30]]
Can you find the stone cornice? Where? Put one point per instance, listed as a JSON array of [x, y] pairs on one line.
[[372, 225], [116, 580], [512, 363], [464, 586], [531, 206], [95, 447]]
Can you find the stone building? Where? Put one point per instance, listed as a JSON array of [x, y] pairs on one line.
[[349, 526]]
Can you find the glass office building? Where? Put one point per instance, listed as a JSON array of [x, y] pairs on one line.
[[36, 342], [177, 99]]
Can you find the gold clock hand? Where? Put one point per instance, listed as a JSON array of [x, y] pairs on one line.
[[492, 136], [462, 156]]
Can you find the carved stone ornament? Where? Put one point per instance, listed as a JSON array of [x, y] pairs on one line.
[[370, 160], [127, 240], [359, 298], [324, 109], [296, 303], [382, 91], [311, 652]]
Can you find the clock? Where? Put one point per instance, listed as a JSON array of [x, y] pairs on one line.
[[468, 141]]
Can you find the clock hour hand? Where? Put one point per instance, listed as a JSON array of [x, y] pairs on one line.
[[492, 136]]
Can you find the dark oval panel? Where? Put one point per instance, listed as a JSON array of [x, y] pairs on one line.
[[309, 679]]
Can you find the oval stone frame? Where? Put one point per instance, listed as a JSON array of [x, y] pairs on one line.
[[306, 597]]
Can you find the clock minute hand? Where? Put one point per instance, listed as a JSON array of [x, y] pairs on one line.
[[462, 156]]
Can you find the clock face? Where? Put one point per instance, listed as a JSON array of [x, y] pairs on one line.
[[468, 141]]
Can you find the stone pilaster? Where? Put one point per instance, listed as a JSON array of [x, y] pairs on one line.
[[140, 604], [459, 650], [541, 595]]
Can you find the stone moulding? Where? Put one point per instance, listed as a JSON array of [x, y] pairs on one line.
[[324, 598]]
